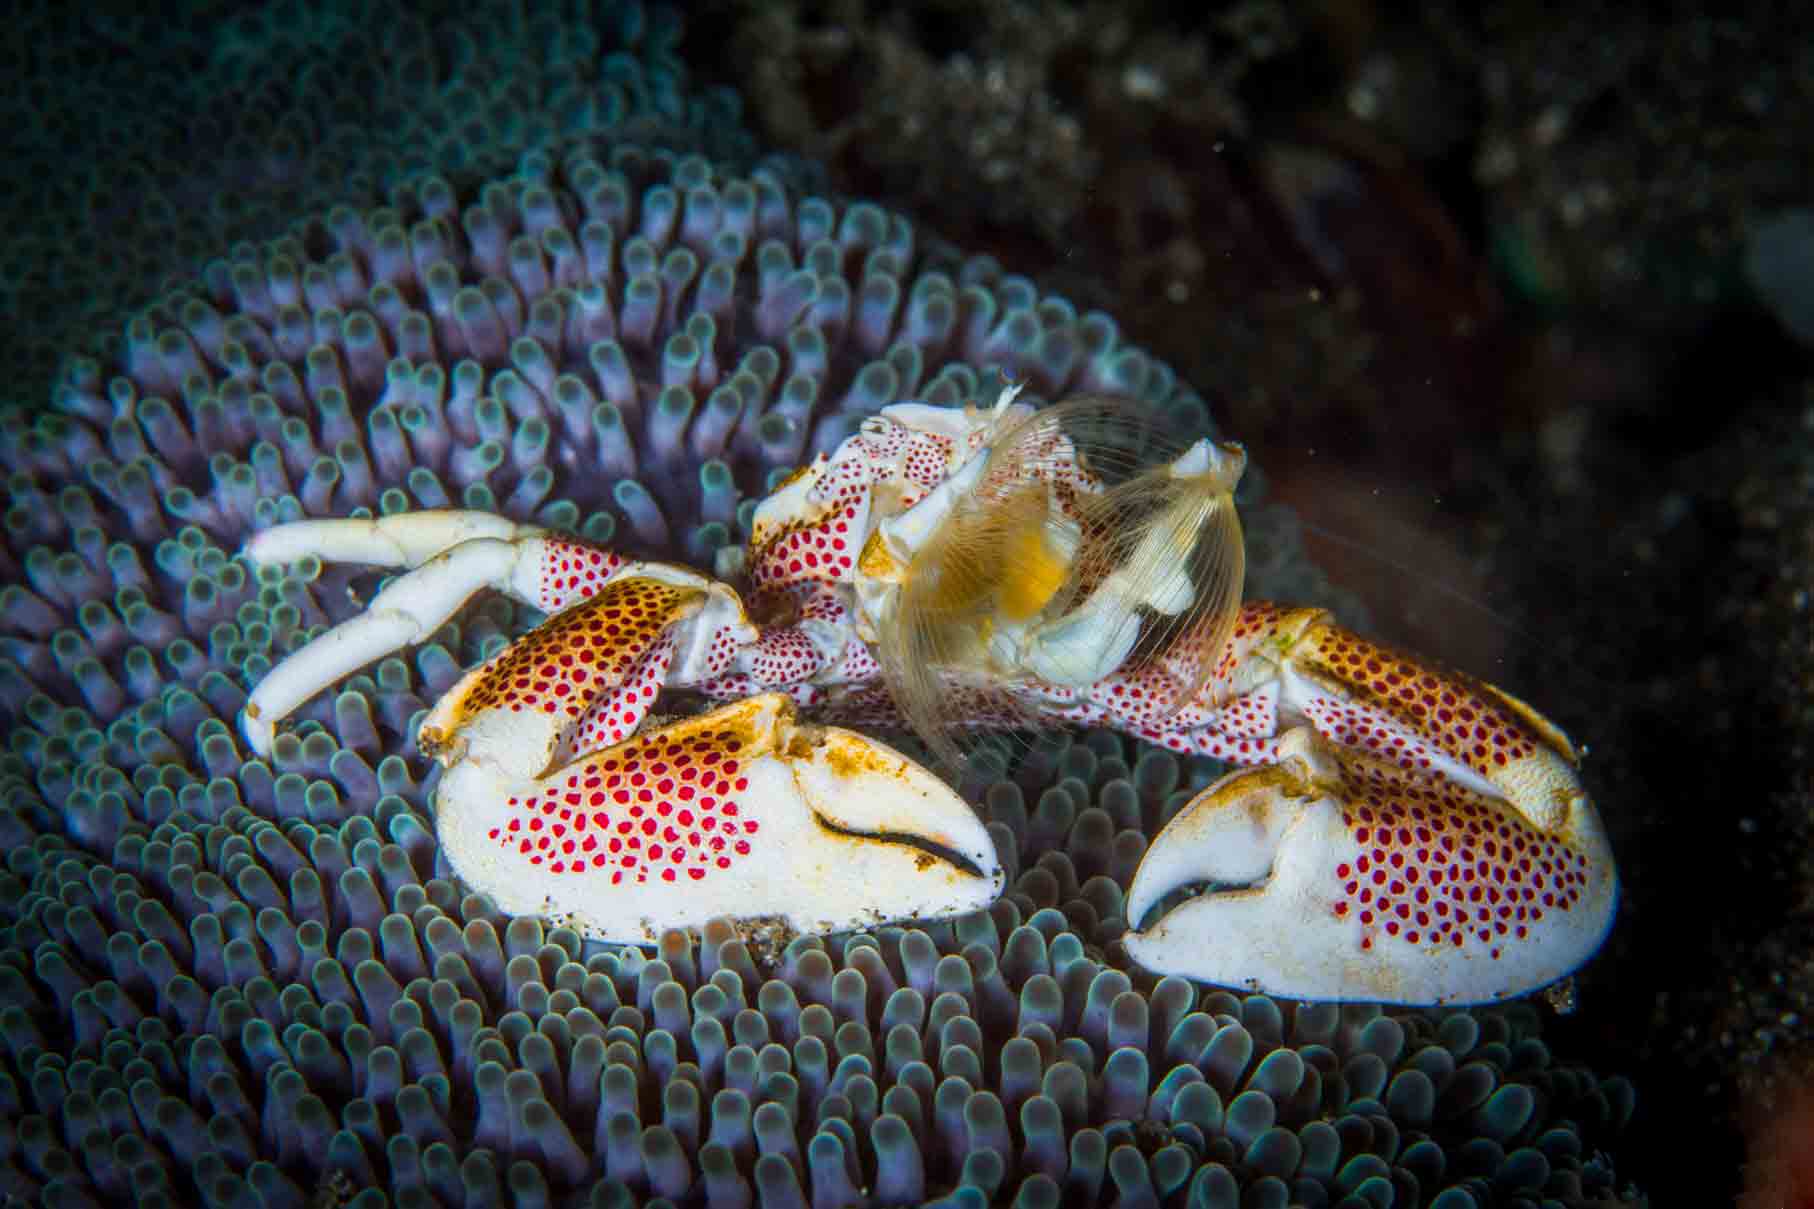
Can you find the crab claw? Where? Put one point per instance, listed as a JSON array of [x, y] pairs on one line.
[[1335, 874], [742, 812]]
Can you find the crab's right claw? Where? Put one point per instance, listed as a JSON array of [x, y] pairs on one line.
[[1333, 874], [741, 812]]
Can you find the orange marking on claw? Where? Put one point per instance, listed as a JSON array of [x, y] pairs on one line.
[[1465, 718], [556, 667]]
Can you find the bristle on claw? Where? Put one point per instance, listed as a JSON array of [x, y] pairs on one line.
[[1074, 540]]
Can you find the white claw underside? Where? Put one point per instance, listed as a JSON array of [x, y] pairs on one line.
[[852, 834], [1267, 842]]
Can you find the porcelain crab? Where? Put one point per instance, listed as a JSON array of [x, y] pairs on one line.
[[1395, 832]]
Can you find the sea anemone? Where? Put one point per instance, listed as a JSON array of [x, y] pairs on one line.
[[142, 142]]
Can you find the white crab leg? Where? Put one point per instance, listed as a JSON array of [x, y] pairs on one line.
[[341, 651], [407, 611], [548, 572], [453, 555], [407, 539], [1336, 874], [741, 812]]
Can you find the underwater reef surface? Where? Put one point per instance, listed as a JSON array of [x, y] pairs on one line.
[[145, 142], [226, 981]]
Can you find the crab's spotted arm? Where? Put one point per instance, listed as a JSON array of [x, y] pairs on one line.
[[586, 677], [1414, 836]]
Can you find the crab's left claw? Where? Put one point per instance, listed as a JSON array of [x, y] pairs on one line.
[[742, 812], [1335, 874]]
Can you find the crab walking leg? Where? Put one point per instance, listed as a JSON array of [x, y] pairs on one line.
[[407, 539], [1336, 874], [406, 612], [548, 572], [741, 812], [452, 556]]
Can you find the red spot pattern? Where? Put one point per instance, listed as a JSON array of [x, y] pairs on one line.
[[669, 806], [572, 571], [1442, 865], [1253, 625], [820, 604], [881, 439], [563, 664], [1254, 715], [824, 550], [1138, 696], [1359, 727], [1244, 731], [735, 687], [860, 662], [1397, 703], [615, 715], [927, 462], [914, 460], [783, 656], [823, 545], [1215, 744]]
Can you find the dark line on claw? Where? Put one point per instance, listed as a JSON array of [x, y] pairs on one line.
[[950, 856], [1177, 896]]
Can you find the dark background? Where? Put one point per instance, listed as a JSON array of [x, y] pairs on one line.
[[1488, 293]]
